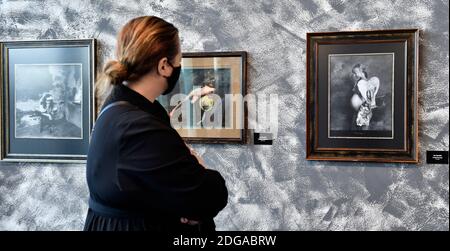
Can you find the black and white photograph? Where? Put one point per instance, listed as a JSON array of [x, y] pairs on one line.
[[48, 101], [360, 95]]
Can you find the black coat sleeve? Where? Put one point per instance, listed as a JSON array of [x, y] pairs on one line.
[[157, 167]]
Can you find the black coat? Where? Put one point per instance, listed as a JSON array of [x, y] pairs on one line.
[[142, 176]]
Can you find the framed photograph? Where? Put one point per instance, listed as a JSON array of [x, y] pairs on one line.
[[217, 115], [47, 99], [362, 96]]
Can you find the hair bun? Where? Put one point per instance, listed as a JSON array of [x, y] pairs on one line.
[[116, 71]]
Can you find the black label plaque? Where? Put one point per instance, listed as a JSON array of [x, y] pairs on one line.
[[262, 138], [437, 157]]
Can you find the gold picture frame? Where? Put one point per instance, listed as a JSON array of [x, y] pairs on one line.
[[228, 72]]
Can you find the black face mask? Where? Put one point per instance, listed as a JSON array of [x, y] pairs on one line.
[[172, 79]]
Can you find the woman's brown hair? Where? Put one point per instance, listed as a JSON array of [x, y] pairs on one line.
[[141, 43]]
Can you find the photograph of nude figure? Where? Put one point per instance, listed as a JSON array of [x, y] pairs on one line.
[[360, 89]]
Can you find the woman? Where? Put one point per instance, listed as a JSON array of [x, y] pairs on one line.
[[363, 99], [140, 173]]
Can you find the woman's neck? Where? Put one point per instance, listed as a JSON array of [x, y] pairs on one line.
[[147, 86]]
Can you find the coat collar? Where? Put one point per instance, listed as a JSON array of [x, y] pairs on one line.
[[122, 92]]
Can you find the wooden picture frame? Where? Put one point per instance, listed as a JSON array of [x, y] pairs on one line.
[[362, 96], [47, 99], [228, 72]]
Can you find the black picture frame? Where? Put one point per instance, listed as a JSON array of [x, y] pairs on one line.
[[362, 96], [236, 63], [48, 101]]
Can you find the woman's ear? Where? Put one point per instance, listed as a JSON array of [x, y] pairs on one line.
[[163, 70]]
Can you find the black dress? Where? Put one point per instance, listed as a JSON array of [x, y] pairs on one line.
[[141, 175]]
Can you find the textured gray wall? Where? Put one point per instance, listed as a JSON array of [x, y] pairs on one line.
[[271, 187]]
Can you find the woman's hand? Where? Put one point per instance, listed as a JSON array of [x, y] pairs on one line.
[[196, 155]]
